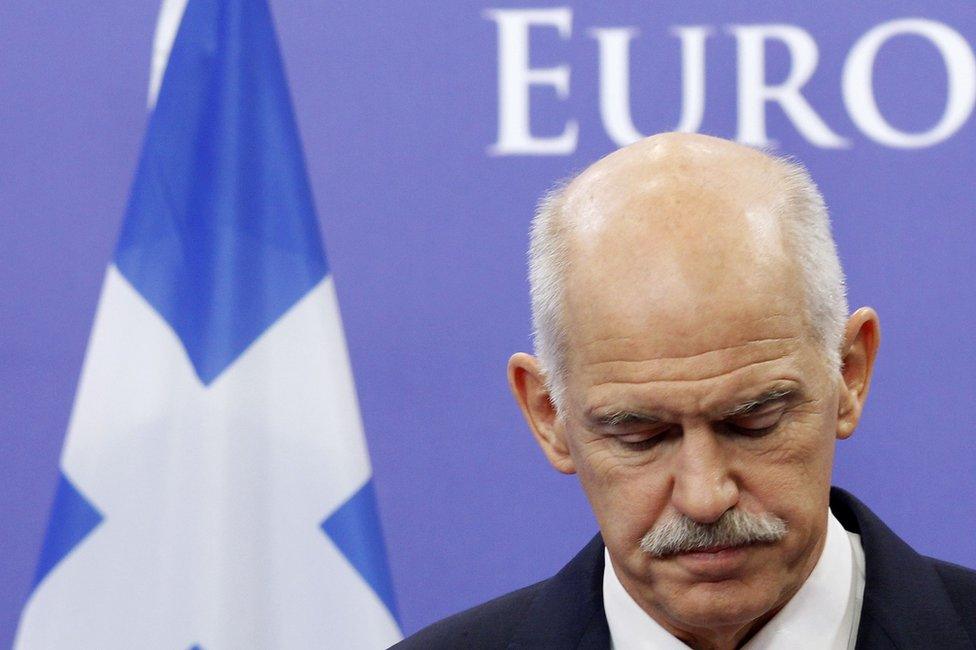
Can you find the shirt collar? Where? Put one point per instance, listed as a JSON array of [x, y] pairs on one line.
[[822, 615]]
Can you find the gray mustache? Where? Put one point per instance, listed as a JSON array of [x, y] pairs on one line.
[[681, 534]]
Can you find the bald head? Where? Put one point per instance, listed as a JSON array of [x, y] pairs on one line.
[[687, 230]]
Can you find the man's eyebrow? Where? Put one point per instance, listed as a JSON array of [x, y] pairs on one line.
[[775, 395], [618, 418]]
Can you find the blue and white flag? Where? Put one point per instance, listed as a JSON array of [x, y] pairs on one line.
[[215, 489]]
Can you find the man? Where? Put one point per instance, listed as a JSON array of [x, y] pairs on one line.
[[696, 363]]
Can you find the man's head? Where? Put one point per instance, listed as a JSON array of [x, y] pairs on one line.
[[696, 364]]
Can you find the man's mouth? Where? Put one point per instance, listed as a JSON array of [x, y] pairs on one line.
[[713, 563]]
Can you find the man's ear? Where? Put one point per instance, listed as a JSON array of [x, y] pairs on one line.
[[528, 385], [861, 338]]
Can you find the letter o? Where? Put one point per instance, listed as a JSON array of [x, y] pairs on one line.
[[858, 82]]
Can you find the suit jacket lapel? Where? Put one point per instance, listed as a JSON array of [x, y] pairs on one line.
[[905, 603], [568, 610]]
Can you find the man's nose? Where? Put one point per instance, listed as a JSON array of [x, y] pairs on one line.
[[703, 486]]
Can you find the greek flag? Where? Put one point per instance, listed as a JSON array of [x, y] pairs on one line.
[[215, 488]]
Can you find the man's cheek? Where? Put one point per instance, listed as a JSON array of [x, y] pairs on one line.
[[798, 443], [596, 459]]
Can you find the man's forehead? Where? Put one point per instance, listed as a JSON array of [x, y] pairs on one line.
[[677, 283], [713, 366], [703, 338], [690, 331]]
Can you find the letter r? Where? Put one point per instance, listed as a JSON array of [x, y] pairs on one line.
[[754, 92]]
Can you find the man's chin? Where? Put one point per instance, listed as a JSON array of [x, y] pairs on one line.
[[713, 605]]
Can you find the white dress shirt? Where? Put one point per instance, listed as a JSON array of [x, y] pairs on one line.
[[822, 615]]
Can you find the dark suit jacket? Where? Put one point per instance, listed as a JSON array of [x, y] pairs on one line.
[[910, 601]]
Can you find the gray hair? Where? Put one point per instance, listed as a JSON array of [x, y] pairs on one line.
[[806, 223], [682, 534]]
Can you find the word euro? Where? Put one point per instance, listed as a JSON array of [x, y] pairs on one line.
[[516, 78]]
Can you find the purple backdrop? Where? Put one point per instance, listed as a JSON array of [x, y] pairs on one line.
[[398, 106]]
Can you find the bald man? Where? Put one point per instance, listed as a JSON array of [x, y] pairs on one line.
[[695, 364]]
